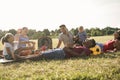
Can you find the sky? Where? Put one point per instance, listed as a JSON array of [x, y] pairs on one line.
[[50, 14]]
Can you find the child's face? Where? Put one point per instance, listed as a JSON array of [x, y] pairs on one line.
[[25, 31], [11, 39], [80, 29]]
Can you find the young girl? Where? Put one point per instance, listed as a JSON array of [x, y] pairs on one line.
[[8, 50]]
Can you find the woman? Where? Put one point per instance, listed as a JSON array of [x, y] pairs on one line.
[[23, 38], [22, 41]]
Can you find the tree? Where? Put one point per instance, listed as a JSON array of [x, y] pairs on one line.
[[46, 32], [52, 33], [88, 32], [31, 33], [13, 31], [109, 30], [57, 31], [38, 35], [72, 31]]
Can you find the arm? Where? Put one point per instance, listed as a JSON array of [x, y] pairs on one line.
[[27, 42], [25, 48], [59, 43], [16, 37], [10, 53], [110, 51], [30, 42], [85, 34]]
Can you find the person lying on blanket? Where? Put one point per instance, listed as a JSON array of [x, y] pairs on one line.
[[66, 52], [111, 45]]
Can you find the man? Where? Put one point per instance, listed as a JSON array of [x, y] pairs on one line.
[[65, 36]]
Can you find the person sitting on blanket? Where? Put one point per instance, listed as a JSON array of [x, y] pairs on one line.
[[66, 52], [9, 52]]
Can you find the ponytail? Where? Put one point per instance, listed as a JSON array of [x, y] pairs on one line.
[[3, 39]]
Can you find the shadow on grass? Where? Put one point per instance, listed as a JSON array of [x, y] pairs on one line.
[[107, 55], [103, 55]]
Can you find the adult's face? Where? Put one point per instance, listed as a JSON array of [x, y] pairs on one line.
[[63, 29], [25, 30]]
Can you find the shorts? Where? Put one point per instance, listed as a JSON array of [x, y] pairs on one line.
[[8, 57]]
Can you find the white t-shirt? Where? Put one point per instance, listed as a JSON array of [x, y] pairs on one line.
[[6, 44], [65, 38]]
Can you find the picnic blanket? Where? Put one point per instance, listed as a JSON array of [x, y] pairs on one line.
[[5, 61]]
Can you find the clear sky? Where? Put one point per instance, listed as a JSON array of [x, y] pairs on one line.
[[42, 14]]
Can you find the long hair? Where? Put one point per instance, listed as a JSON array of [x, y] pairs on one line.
[[6, 37]]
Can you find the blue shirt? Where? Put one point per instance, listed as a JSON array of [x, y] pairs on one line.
[[21, 38], [82, 35]]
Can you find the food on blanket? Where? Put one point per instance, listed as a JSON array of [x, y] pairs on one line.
[[96, 50]]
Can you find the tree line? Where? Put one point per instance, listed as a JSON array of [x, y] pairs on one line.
[[33, 34]]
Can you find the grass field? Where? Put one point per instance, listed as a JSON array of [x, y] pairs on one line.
[[101, 67]]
